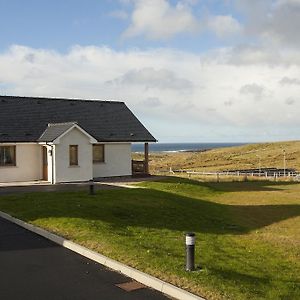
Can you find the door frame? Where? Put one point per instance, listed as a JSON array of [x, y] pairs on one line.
[[44, 163]]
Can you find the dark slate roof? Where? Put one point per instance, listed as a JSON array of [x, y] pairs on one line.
[[54, 130], [25, 119]]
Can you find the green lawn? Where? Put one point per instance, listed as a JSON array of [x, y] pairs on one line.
[[248, 233]]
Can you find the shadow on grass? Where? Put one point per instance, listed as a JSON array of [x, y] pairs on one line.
[[189, 214], [249, 186], [260, 285], [239, 277], [152, 209], [234, 186]]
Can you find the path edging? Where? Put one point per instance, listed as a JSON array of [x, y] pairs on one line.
[[135, 274]]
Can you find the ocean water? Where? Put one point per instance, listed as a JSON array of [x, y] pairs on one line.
[[179, 147]]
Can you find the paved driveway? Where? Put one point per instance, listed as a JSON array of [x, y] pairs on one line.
[[6, 190], [100, 184], [33, 268]]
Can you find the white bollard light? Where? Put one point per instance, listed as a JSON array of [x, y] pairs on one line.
[[190, 240]]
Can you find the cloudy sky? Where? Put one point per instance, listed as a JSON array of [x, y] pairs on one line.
[[191, 70]]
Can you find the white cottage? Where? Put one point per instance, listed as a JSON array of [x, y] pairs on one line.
[[64, 140]]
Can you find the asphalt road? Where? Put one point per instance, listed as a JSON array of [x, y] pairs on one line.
[[33, 268]]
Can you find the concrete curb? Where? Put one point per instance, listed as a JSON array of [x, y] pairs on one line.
[[135, 274]]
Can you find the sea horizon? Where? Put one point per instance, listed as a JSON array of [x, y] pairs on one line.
[[181, 147]]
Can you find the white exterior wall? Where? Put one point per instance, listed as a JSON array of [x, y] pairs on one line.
[[63, 172], [117, 161], [50, 155], [28, 164]]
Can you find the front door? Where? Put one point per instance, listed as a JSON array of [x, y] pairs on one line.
[[45, 163]]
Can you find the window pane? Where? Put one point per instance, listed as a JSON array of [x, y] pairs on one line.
[[8, 155], [73, 151], [98, 153]]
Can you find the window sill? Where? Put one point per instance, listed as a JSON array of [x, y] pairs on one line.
[[98, 163], [74, 166]]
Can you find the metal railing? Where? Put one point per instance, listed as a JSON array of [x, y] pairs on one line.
[[266, 173]]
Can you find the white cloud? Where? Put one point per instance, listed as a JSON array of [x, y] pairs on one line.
[[286, 2], [273, 22], [153, 79], [224, 26], [249, 55], [258, 92], [158, 19], [289, 81], [228, 102], [290, 101], [151, 102], [174, 93]]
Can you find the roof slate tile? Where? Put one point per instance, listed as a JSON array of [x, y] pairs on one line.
[[25, 119]]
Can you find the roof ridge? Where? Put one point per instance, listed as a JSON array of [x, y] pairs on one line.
[[62, 123], [59, 98]]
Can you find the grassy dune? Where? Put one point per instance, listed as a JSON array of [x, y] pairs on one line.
[[242, 157]]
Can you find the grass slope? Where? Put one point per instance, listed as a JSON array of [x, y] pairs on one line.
[[242, 157], [247, 232]]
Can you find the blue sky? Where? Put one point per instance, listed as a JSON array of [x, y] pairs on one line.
[[57, 24], [61, 24], [191, 70]]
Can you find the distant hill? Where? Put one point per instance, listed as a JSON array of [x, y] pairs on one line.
[[241, 157]]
